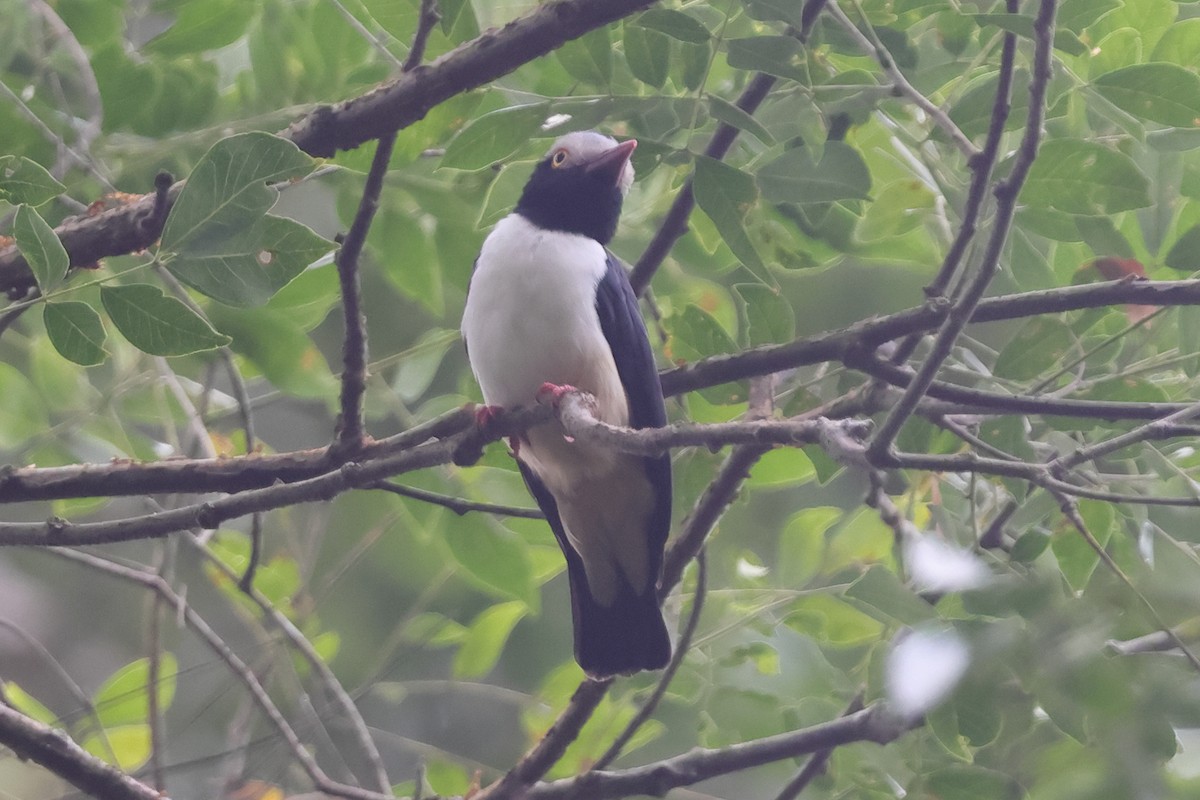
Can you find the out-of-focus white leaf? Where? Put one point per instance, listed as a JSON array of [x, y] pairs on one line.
[[923, 668], [936, 566]]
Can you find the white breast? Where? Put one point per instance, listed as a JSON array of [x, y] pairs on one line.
[[531, 318]]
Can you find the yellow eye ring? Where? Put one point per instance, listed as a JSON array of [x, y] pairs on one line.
[[559, 158]]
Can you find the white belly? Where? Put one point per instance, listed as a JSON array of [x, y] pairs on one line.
[[531, 318]]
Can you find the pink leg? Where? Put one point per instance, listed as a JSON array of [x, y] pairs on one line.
[[486, 415], [552, 393]]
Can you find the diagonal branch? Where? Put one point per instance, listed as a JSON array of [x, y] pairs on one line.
[[327, 129], [54, 750], [872, 724]]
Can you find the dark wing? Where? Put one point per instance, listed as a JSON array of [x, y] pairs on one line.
[[621, 321]]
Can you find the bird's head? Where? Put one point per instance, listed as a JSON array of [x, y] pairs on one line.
[[578, 187]]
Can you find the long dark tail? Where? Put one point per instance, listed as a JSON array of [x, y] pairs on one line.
[[618, 639]]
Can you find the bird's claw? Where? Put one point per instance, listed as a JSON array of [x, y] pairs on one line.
[[487, 415], [553, 393]]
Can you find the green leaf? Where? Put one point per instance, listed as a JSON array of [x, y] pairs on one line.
[[1180, 44], [227, 192], [973, 783], [23, 412], [841, 174], [726, 195], [1022, 25], [588, 58], [156, 324], [93, 22], [731, 115], [45, 254], [25, 181], [493, 559], [446, 779], [1029, 546], [1084, 178], [431, 629], [1185, 253], [421, 362], [1040, 345], [675, 24], [485, 638], [130, 744], [204, 26], [402, 246], [495, 136], [972, 112], [76, 332], [787, 11], [309, 298], [889, 600], [696, 334], [782, 466], [1075, 15], [648, 55], [250, 266], [766, 314], [1076, 558], [1164, 93], [124, 698], [829, 620], [275, 341], [781, 56], [802, 545], [24, 702], [1100, 234]]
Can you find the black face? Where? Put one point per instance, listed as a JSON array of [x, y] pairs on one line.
[[573, 199]]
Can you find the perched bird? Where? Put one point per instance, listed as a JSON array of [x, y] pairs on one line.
[[550, 308]]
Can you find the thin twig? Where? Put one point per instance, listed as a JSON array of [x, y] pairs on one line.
[[981, 167], [426, 19], [350, 429], [244, 673], [316, 663], [457, 504], [816, 762], [660, 689], [1070, 510], [674, 224], [871, 44], [1006, 203]]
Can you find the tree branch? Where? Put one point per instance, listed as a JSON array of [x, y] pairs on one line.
[[327, 129], [354, 347], [54, 750], [872, 724]]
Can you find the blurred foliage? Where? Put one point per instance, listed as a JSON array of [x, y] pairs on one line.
[[838, 201]]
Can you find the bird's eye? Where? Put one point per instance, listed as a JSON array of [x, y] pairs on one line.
[[559, 158]]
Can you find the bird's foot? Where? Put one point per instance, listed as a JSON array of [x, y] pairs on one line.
[[553, 393], [487, 415]]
